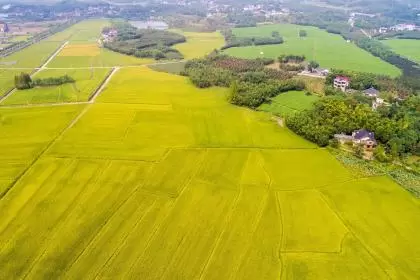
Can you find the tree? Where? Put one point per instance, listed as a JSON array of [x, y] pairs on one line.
[[275, 34], [334, 143], [303, 33], [233, 90], [312, 65], [379, 154], [23, 81]]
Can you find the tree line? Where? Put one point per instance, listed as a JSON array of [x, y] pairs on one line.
[[233, 41], [24, 81]]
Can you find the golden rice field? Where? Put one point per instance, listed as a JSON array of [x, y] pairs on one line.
[[199, 44], [160, 180]]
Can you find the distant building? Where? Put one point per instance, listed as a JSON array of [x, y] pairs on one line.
[[404, 27], [371, 92], [378, 102], [383, 30], [4, 28], [359, 137], [342, 83]]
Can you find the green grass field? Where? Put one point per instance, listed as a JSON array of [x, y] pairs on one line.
[[87, 81], [289, 103], [405, 47], [160, 180], [330, 50]]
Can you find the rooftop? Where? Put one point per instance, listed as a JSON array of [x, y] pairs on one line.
[[362, 134]]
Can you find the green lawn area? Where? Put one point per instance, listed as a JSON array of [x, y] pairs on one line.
[[87, 81], [289, 103], [405, 47], [330, 50]]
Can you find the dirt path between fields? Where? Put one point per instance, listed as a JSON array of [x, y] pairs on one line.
[[103, 85]]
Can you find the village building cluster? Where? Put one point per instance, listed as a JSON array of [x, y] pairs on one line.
[[397, 28], [343, 83]]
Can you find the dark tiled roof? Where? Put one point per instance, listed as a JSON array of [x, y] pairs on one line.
[[363, 133], [371, 91]]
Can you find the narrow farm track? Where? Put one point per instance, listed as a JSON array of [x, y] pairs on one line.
[[104, 84]]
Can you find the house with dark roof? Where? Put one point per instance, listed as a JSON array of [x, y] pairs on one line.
[[362, 137], [371, 92]]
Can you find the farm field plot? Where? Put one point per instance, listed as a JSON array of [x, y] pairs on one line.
[[405, 47], [330, 50], [199, 44], [84, 31], [87, 81], [85, 54], [31, 57], [160, 180], [289, 103], [7, 80], [20, 142]]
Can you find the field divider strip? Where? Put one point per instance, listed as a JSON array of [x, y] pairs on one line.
[[124, 239], [105, 223], [103, 84], [278, 205], [255, 226], [49, 145], [227, 221], [348, 227], [153, 235], [62, 221]]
